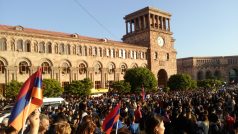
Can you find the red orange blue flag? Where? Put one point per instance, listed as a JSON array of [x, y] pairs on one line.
[[29, 98], [111, 119]]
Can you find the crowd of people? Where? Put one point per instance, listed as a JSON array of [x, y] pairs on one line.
[[200, 111]]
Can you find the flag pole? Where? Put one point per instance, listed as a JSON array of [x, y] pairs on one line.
[[117, 126], [24, 120]]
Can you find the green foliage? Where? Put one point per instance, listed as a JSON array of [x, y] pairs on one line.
[[181, 82], [13, 88], [166, 89], [121, 86], [140, 76], [209, 83], [80, 87], [52, 88]]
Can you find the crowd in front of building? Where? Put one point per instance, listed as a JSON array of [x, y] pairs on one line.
[[181, 112]]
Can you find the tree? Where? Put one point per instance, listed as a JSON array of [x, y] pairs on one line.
[[140, 76], [80, 87], [51, 88], [209, 83], [181, 82], [121, 86], [13, 88]]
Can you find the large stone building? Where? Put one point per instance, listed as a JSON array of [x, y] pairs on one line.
[[148, 42], [222, 67]]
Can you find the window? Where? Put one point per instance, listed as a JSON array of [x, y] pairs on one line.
[[100, 52], [167, 56], [82, 68], [97, 84], [61, 49], [23, 67], [48, 48], [74, 49], [65, 68], [123, 68], [56, 48], [156, 55], [67, 49], [20, 45], [27, 46], [97, 69], [3, 44], [111, 68], [1, 67], [42, 47], [46, 68]]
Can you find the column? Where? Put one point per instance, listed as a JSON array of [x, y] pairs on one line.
[[144, 23], [139, 23], [126, 27], [160, 22], [164, 23], [130, 26], [153, 20], [135, 25], [157, 22], [104, 77], [168, 24]]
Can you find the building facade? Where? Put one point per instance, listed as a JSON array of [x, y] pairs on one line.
[[199, 68], [148, 42]]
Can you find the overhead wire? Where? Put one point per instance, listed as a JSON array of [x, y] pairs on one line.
[[94, 18]]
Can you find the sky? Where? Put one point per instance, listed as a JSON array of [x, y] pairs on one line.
[[200, 27]]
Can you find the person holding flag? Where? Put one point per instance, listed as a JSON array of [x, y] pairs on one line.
[[28, 100], [111, 119]]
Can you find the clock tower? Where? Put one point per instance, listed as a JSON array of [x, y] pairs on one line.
[[150, 27]]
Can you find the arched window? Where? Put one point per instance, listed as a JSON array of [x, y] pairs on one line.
[[1, 67], [46, 68], [61, 49], [56, 48], [48, 48], [97, 69], [167, 56], [111, 68], [100, 52], [27, 46], [94, 51], [42, 47], [20, 45], [123, 68], [74, 49], [65, 68], [90, 51], [67, 49], [23, 67], [3, 44], [82, 68], [156, 55]]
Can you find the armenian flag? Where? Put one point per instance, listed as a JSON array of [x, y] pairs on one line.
[[29, 98], [111, 119]]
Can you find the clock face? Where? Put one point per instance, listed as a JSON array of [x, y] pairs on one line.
[[160, 41]]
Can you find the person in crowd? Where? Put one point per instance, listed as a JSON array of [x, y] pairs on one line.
[[154, 124], [44, 124]]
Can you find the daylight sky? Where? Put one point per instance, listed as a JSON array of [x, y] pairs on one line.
[[200, 27]]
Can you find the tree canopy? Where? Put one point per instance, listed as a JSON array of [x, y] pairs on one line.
[[121, 86], [181, 82], [80, 87], [140, 76], [13, 88], [52, 88]]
